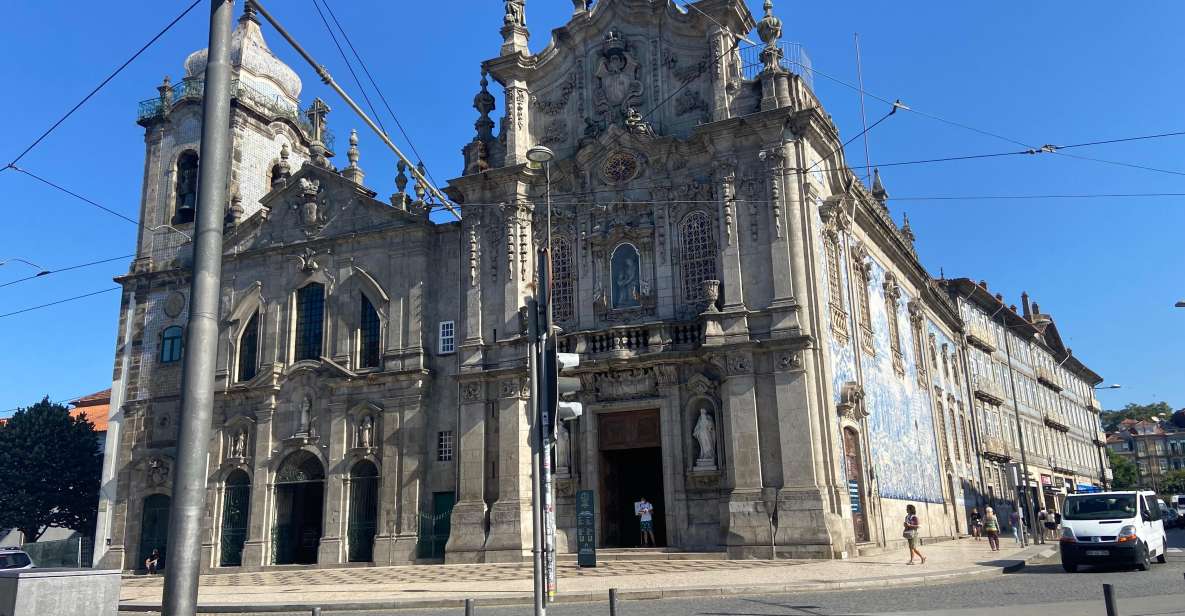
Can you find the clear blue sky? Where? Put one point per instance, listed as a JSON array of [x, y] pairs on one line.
[[1108, 269]]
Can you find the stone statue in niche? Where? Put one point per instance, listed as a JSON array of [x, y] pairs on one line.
[[366, 432], [625, 268], [308, 419], [617, 85], [705, 437], [563, 449], [238, 447]]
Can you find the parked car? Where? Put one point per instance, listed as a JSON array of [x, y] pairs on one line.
[[14, 558], [1171, 518], [1112, 528]]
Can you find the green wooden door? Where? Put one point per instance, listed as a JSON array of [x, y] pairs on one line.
[[154, 528], [364, 491], [435, 525], [236, 508]]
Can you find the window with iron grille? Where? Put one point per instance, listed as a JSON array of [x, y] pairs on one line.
[[444, 446], [448, 337], [310, 321], [170, 345], [697, 245], [249, 349], [369, 328], [860, 285], [563, 281]]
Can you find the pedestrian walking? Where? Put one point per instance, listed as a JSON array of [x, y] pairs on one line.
[[976, 524], [645, 512], [912, 524], [1051, 522], [1042, 516], [1014, 521], [991, 528]]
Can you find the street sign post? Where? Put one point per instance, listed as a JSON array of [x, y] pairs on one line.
[[586, 529]]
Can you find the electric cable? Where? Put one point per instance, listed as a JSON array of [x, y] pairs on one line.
[[342, 52], [64, 269], [12, 164], [73, 194], [60, 301]]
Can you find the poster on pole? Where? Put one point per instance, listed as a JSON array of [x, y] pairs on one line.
[[586, 531]]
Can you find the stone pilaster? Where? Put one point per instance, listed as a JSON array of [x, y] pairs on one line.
[[256, 550], [783, 188], [732, 318], [747, 521], [467, 529], [517, 128], [332, 548], [510, 516]]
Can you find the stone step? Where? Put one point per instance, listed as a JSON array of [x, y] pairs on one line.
[[647, 554]]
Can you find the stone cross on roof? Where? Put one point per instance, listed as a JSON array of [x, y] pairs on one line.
[[316, 115]]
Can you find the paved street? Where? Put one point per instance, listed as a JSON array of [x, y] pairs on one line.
[[1041, 588]]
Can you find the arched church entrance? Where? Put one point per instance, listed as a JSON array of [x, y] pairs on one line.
[[854, 466], [631, 469], [364, 501], [300, 499], [154, 528], [236, 509]]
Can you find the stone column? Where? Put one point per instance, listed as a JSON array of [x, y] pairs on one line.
[[467, 528], [404, 469], [388, 518], [747, 521], [674, 445], [256, 550], [518, 121], [510, 516]]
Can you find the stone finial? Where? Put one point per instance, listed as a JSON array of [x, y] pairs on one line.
[[906, 230], [399, 199], [514, 28], [579, 6], [249, 13], [770, 31], [484, 103], [282, 170], [166, 90], [878, 188], [316, 114], [234, 213], [353, 172]]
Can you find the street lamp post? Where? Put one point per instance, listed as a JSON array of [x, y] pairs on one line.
[[1101, 446], [1020, 440]]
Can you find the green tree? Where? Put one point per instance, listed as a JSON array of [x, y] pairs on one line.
[[50, 465], [1123, 472], [1135, 411], [1173, 483]]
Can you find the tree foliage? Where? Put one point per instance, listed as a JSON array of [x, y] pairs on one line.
[[1173, 482], [1124, 476], [50, 467], [1135, 411]]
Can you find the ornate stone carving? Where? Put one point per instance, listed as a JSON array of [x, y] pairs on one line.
[[618, 86], [174, 304], [474, 248], [366, 432], [158, 472], [636, 124], [238, 444], [789, 360], [620, 167], [312, 214], [851, 401], [625, 384], [739, 363], [688, 102], [711, 294], [700, 385], [555, 132], [666, 374], [514, 387]]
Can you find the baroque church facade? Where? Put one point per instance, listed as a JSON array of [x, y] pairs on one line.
[[763, 356]]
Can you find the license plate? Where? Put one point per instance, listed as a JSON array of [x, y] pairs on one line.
[[1097, 553]]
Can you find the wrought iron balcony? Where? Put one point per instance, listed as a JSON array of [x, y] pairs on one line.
[[794, 59], [980, 336], [634, 340], [1048, 377], [987, 389]]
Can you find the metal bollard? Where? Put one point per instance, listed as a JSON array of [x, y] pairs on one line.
[[316, 611], [469, 607], [1109, 600], [612, 602]]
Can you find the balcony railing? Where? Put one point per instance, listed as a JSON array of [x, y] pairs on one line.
[[1055, 420], [987, 389], [632, 340], [994, 447], [195, 89], [794, 59], [1048, 378], [980, 336]]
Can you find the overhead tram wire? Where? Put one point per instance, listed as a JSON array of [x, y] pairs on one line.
[[12, 164], [60, 301], [72, 194], [377, 90], [350, 67], [64, 269]]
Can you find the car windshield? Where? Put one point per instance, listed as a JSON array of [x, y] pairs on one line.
[[1100, 507], [12, 561]]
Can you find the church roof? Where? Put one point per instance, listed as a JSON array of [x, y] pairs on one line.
[[248, 51]]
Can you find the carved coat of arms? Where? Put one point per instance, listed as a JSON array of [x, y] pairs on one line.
[[617, 86]]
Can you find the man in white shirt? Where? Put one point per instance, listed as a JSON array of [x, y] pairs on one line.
[[645, 511]]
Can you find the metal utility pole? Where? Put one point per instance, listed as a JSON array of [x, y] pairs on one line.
[[533, 359], [1020, 439], [197, 392]]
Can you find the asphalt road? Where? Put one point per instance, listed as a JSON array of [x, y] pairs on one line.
[[1040, 589]]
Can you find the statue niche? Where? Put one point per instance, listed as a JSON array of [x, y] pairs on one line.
[[617, 88], [625, 267]]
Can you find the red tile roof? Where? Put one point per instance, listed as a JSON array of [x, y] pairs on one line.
[[96, 407]]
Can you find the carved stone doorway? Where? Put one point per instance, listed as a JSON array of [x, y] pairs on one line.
[[854, 466], [631, 468]]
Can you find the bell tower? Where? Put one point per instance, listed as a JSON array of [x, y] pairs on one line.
[[268, 131]]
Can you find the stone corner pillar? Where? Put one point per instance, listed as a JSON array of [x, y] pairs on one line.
[[467, 535], [510, 534], [746, 523]]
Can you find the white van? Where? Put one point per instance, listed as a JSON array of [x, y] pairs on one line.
[[1112, 528]]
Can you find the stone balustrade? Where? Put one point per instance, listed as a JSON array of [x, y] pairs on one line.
[[632, 340]]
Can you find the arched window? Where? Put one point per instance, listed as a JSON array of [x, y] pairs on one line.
[[563, 280], [369, 328], [697, 255], [839, 314], [170, 344], [249, 349], [187, 181], [860, 280], [892, 294], [310, 321]]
